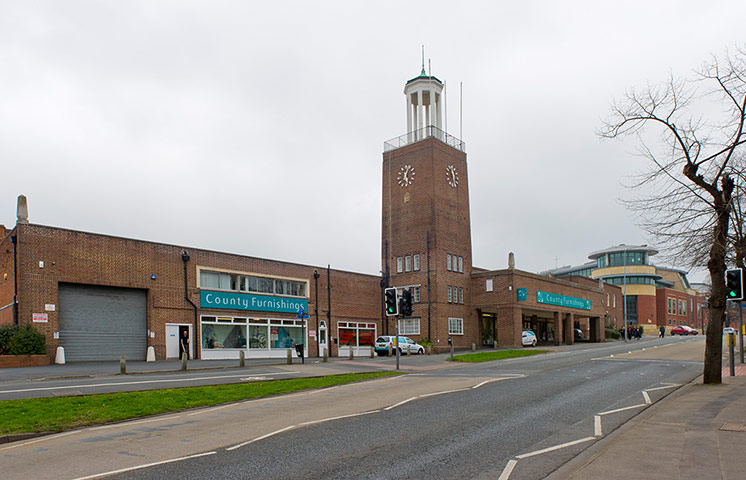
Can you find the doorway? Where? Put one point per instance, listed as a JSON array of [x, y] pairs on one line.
[[322, 339], [174, 332]]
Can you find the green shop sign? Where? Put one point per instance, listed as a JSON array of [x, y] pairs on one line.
[[562, 300], [247, 301]]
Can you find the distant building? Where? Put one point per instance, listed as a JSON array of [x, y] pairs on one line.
[[655, 296]]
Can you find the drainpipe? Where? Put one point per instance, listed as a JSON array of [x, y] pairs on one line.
[[14, 241], [185, 259], [316, 307], [329, 304]]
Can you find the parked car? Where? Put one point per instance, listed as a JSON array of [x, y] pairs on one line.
[[683, 330], [578, 334], [528, 338], [383, 342]]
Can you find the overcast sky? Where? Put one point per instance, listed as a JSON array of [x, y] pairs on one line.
[[257, 127]]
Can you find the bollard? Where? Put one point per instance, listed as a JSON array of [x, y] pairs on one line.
[[290, 357], [241, 358], [326, 355], [123, 365], [352, 353], [390, 352], [59, 357], [731, 354], [495, 344], [473, 347], [429, 350], [184, 361], [150, 356], [372, 351], [409, 350]]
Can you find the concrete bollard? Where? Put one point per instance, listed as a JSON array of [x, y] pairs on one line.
[[390, 352], [352, 353], [494, 344], [372, 351], [150, 356], [290, 357], [123, 365], [473, 347], [326, 355], [409, 350], [429, 350], [241, 358], [59, 357], [183, 361]]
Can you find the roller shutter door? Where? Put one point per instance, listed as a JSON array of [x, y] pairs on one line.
[[102, 323]]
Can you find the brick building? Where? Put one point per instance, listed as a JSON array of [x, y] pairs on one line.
[[100, 296]]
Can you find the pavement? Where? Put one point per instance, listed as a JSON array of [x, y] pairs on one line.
[[696, 432]]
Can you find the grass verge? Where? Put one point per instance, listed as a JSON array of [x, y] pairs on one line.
[[63, 413], [498, 355]]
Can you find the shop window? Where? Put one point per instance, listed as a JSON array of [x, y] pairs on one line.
[[399, 266], [455, 326], [409, 326], [416, 262], [408, 263], [448, 262], [488, 285], [223, 335], [354, 334]]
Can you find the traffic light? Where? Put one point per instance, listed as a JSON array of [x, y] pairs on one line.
[[734, 284], [406, 303], [392, 306]]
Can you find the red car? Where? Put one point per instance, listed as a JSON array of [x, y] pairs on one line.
[[684, 330]]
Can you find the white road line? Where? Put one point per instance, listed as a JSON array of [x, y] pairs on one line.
[[622, 409], [486, 382], [400, 403], [260, 438], [143, 382], [556, 447], [42, 439], [597, 425], [313, 422], [647, 397], [667, 385], [425, 395], [127, 424], [508, 470], [139, 467]]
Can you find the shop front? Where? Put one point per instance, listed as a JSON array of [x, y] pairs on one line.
[[356, 336]]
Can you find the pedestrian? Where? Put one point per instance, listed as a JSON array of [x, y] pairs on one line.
[[184, 344], [663, 332]]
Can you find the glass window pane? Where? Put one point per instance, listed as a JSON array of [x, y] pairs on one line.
[[416, 260], [266, 285], [223, 336], [258, 336], [285, 336], [209, 280]]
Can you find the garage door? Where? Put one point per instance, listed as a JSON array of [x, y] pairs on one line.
[[102, 323]]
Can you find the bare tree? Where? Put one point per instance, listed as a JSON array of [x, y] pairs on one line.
[[699, 125]]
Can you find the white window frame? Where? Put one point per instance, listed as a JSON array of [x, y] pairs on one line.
[[489, 285], [450, 294], [448, 262], [455, 326], [613, 301], [408, 263], [608, 300], [416, 262], [409, 326], [399, 268], [461, 264], [461, 295], [415, 294]]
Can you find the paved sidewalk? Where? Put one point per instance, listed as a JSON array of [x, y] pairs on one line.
[[697, 432]]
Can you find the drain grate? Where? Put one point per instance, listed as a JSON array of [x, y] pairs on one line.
[[733, 427]]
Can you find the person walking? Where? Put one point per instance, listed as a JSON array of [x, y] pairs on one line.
[[663, 332]]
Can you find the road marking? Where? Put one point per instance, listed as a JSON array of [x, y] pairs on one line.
[[647, 397], [147, 465], [556, 447], [622, 409], [313, 422], [260, 438], [508, 470], [143, 382], [403, 402], [667, 385], [597, 425], [253, 379]]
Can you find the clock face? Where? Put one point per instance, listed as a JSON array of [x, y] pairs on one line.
[[451, 176], [406, 175]]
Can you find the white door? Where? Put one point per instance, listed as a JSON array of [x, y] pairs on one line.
[[172, 341], [322, 339]]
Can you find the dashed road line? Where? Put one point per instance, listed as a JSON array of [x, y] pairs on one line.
[[147, 465]]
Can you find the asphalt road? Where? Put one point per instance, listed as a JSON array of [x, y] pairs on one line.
[[491, 420]]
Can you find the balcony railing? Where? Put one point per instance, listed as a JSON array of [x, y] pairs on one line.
[[421, 134]]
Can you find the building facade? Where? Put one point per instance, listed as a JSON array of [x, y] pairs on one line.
[[100, 296]]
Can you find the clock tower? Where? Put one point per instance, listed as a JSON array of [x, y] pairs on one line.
[[426, 225]]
